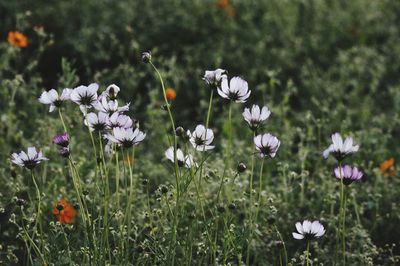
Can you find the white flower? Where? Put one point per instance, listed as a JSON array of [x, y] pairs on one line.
[[96, 122], [85, 96], [237, 90], [127, 137], [28, 160], [51, 97], [309, 230], [183, 160], [119, 120], [214, 77], [201, 138], [340, 149], [266, 145], [110, 107], [255, 116]]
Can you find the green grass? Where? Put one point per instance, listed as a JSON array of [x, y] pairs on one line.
[[320, 66]]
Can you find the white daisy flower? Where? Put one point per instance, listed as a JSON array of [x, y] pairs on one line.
[[28, 160], [237, 90], [201, 138], [183, 160], [85, 96], [119, 120], [255, 116], [266, 145], [339, 148], [214, 77], [52, 98], [309, 230], [110, 107], [97, 122], [126, 137]]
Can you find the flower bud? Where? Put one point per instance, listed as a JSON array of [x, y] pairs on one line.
[[164, 189], [64, 152], [241, 167], [146, 57], [20, 202], [180, 132]]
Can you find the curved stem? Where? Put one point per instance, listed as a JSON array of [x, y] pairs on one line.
[[176, 214]]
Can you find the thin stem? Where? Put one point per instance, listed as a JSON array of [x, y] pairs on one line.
[[344, 228], [229, 153], [284, 245], [177, 200], [260, 188], [251, 203], [38, 218], [308, 253], [62, 119]]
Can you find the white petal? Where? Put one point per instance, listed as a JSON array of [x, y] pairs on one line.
[[297, 236]]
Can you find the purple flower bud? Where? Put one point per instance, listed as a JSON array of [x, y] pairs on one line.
[[64, 152], [61, 139]]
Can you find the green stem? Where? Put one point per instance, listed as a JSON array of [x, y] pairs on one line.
[[260, 188], [251, 204], [229, 153], [62, 119], [308, 253], [344, 228], [284, 245], [176, 219], [38, 216]]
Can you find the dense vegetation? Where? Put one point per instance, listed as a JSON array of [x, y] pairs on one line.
[[320, 66]]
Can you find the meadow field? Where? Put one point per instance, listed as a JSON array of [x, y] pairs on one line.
[[199, 132]]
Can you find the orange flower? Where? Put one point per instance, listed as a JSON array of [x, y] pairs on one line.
[[17, 39], [387, 167], [170, 93], [64, 212], [223, 3]]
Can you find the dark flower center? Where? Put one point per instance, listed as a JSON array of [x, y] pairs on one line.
[[99, 126], [233, 96], [58, 103], [86, 99], [266, 150], [127, 143], [199, 141], [30, 164]]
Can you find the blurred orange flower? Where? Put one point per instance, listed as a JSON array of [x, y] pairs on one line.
[[223, 3], [387, 167], [226, 6], [64, 212], [170, 93], [17, 39]]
